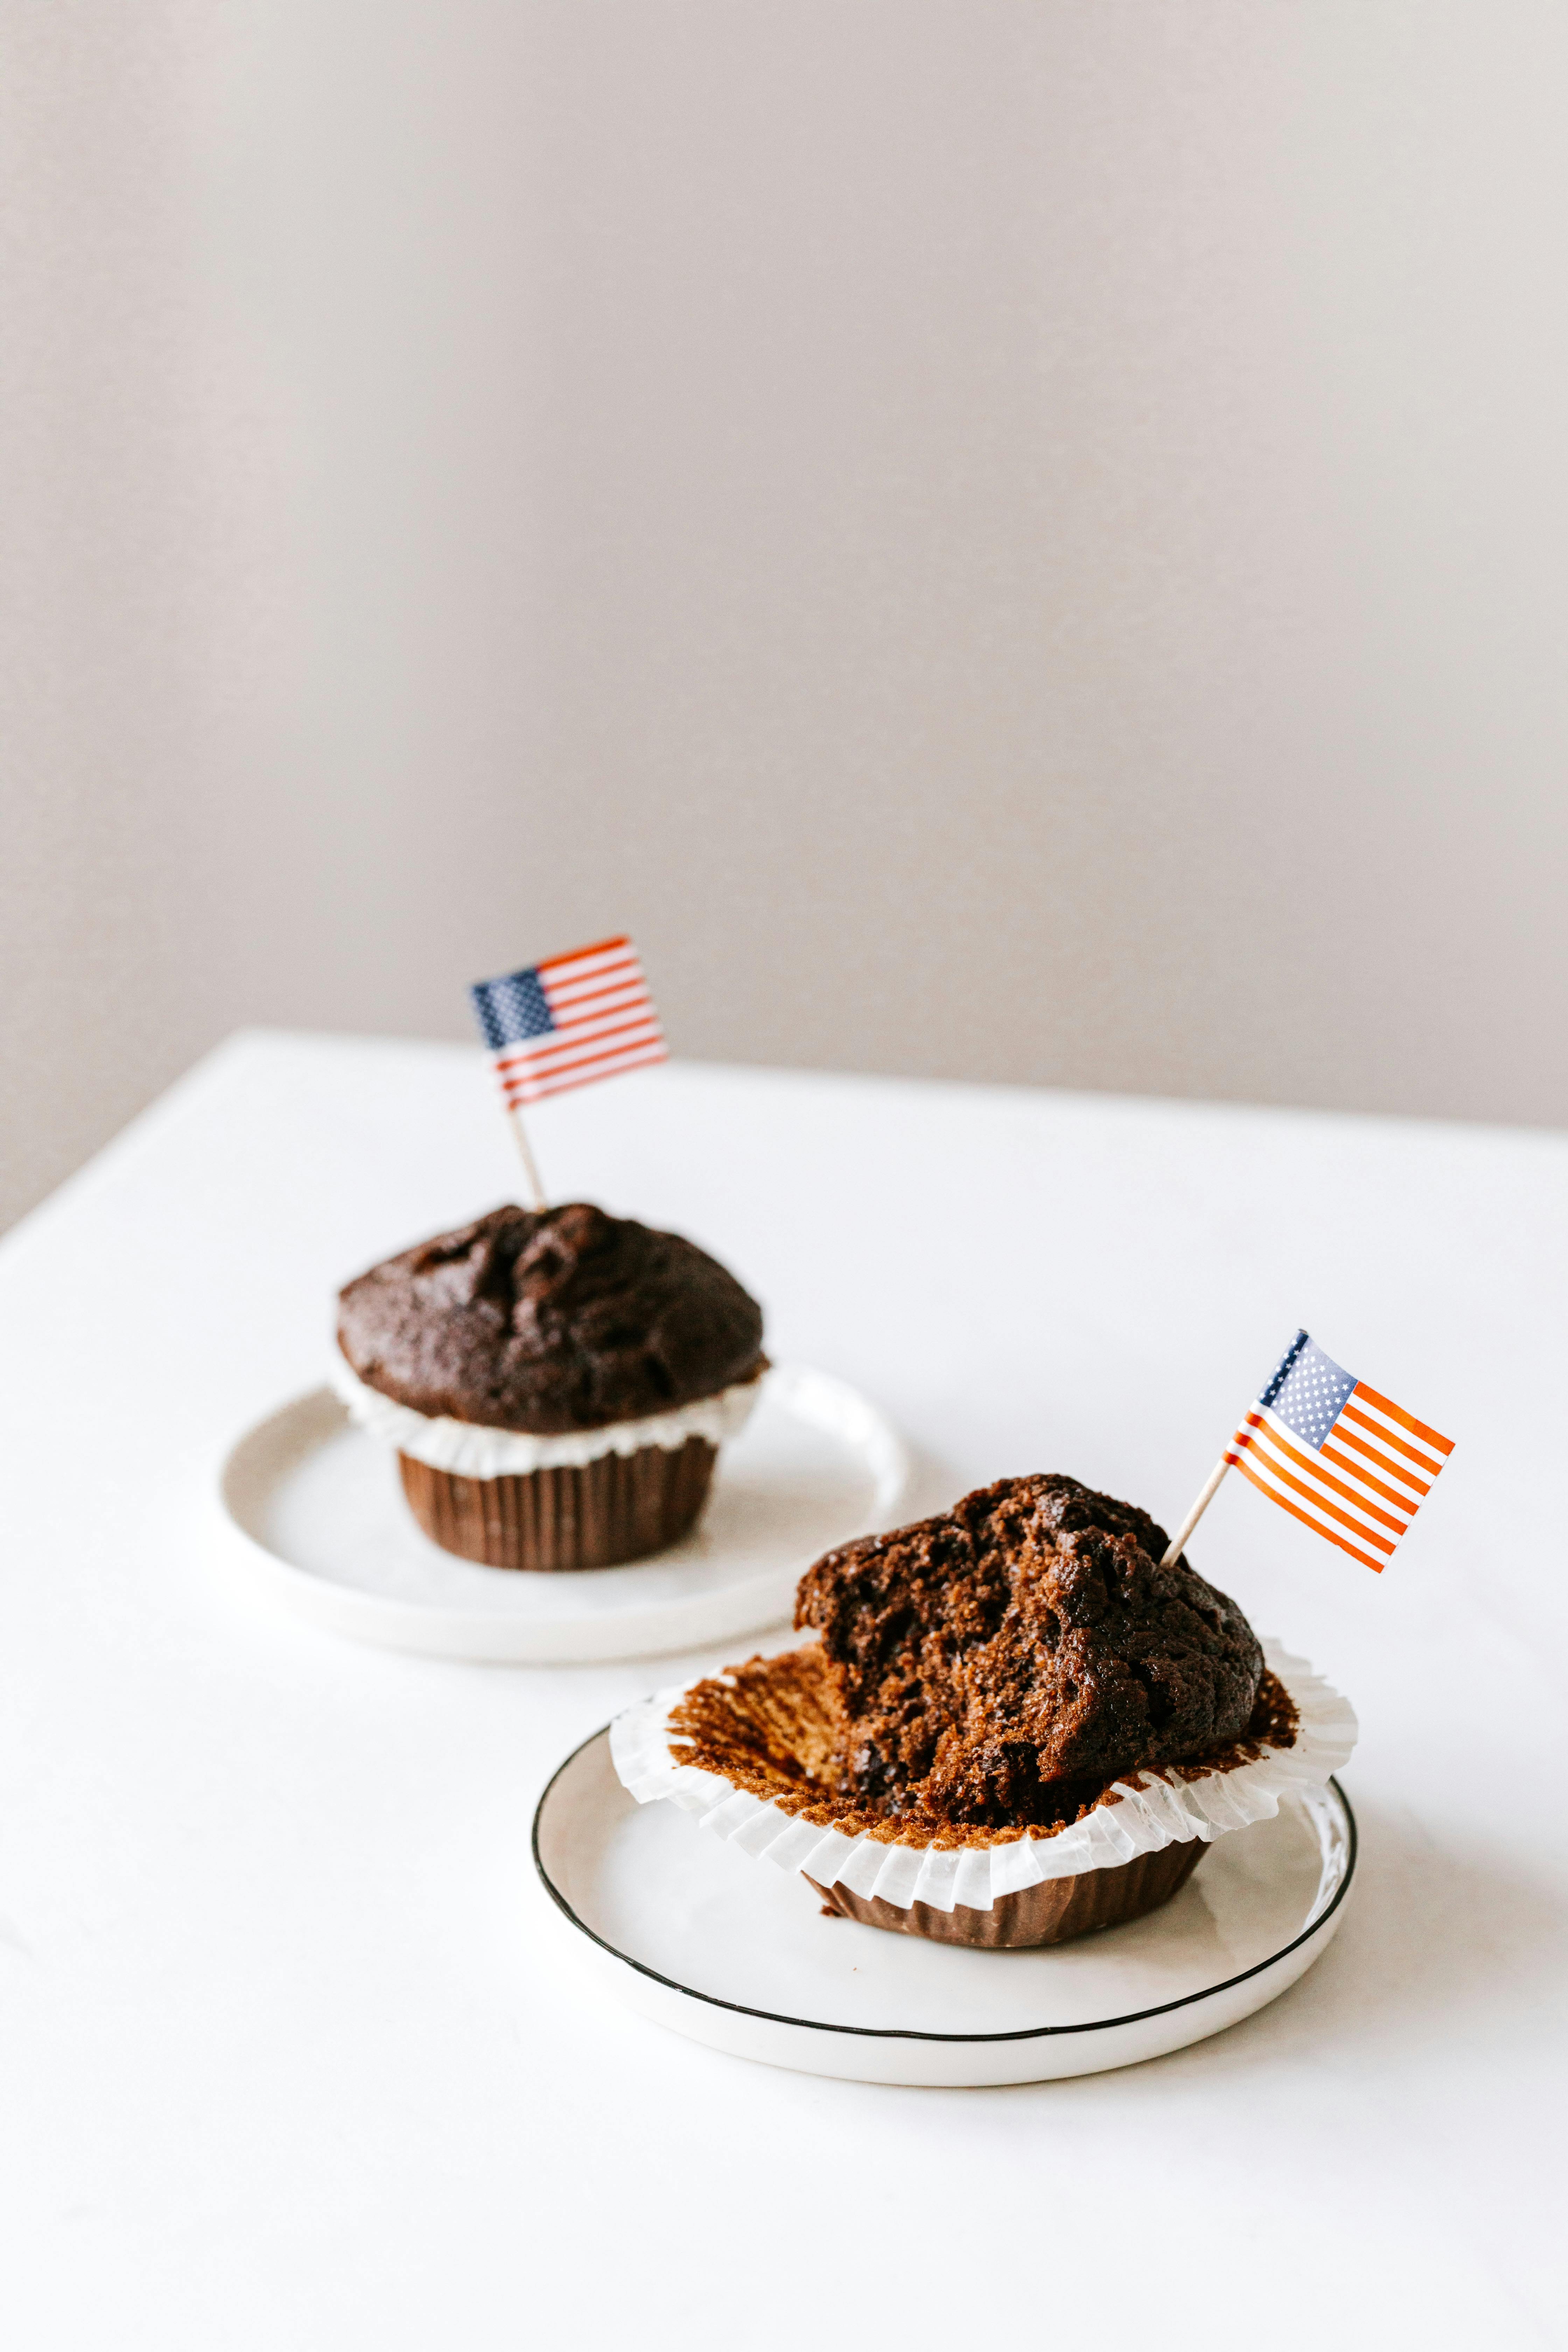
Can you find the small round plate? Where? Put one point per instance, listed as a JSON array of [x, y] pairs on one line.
[[736, 1953], [318, 1513]]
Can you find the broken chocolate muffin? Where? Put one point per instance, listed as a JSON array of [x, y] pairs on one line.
[[1003, 1662]]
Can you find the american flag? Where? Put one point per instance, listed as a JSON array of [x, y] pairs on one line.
[[568, 1021], [1348, 1462]]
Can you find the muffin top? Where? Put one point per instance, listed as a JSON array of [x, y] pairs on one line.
[[1003, 1661], [549, 1320]]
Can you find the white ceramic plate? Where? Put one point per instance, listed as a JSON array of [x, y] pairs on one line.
[[318, 1515], [738, 1954]]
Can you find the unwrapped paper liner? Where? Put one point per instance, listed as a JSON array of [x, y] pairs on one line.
[[1153, 1812], [470, 1450]]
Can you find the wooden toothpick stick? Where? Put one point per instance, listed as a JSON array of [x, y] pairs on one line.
[[1211, 1488], [529, 1169]]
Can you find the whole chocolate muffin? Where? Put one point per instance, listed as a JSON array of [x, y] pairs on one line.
[[556, 1383], [549, 1320], [1003, 1662]]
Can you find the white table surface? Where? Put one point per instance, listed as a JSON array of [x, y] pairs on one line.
[[296, 2054]]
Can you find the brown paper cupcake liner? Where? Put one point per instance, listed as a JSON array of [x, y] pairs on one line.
[[1054, 1912], [746, 1753], [598, 1514]]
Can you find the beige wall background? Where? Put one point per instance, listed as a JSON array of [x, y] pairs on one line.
[[1001, 538]]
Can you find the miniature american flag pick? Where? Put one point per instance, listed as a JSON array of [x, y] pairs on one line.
[[1348, 1462], [1353, 1466], [568, 1021]]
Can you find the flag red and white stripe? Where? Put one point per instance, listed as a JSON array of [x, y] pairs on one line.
[[1361, 1486], [602, 1021]]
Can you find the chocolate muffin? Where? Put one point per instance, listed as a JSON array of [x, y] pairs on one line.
[[1002, 1663], [1018, 1727], [556, 1382]]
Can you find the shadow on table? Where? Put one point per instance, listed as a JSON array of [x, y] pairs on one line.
[[1438, 1945], [1437, 1942]]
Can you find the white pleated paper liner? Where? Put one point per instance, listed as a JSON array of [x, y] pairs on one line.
[[1151, 1811], [472, 1450]]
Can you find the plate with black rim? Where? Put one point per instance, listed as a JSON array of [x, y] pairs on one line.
[[736, 1953]]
